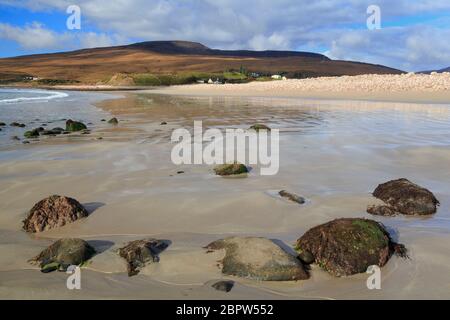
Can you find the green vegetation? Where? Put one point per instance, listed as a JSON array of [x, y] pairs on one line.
[[149, 79]]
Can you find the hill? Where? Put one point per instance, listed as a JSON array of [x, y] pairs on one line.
[[181, 58], [438, 71]]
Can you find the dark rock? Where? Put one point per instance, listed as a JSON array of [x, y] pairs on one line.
[[26, 142], [347, 246], [403, 196], [113, 121], [292, 197], [163, 123], [52, 212], [224, 286], [259, 126], [103, 120], [258, 259], [2, 124], [16, 124], [62, 254], [73, 126], [180, 172], [230, 169], [15, 138], [141, 252], [31, 134]]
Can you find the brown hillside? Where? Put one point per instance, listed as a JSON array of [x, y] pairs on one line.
[[100, 64]]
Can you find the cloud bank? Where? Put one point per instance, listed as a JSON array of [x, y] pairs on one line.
[[413, 36]]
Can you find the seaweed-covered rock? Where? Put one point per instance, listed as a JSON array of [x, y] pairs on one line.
[[403, 196], [31, 134], [73, 126], [224, 286], [141, 252], [258, 259], [230, 169], [292, 197], [64, 253], [258, 127], [113, 121], [348, 246], [52, 212]]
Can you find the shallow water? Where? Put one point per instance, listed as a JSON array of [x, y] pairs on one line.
[[334, 153], [36, 108]]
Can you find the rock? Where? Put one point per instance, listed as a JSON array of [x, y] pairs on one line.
[[348, 246], [64, 253], [103, 120], [292, 197], [26, 142], [403, 196], [224, 286], [163, 123], [259, 126], [2, 124], [258, 259], [15, 138], [54, 131], [31, 134], [113, 121], [230, 169], [16, 124], [141, 252], [73, 126], [52, 212], [180, 172]]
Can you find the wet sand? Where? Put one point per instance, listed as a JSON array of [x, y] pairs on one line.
[[334, 153]]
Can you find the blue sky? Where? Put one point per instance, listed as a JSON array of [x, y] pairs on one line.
[[413, 36]]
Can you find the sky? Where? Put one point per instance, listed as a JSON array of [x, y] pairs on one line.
[[413, 35]]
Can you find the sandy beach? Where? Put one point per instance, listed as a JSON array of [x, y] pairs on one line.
[[418, 88], [333, 151]]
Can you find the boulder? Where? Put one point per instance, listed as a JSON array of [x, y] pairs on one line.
[[52, 212], [141, 252], [258, 259], [230, 169], [257, 127], [64, 253], [73, 126], [224, 286], [113, 121], [292, 197], [404, 197], [348, 246]]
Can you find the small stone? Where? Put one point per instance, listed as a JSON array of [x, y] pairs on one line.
[[224, 286], [113, 121], [258, 127], [163, 123], [292, 197], [230, 169]]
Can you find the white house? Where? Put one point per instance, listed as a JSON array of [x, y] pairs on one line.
[[276, 77]]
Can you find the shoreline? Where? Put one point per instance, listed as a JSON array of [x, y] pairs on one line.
[[408, 88]]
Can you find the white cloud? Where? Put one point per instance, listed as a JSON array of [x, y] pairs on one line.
[[337, 27], [32, 36]]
